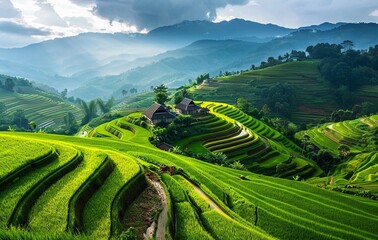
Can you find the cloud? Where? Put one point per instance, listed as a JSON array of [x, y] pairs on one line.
[[47, 15], [7, 10], [150, 14], [14, 28], [374, 13]]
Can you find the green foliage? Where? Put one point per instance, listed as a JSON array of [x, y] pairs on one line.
[[71, 124], [9, 84], [280, 97], [89, 110], [248, 108], [237, 165], [183, 120], [63, 94], [351, 68], [105, 107], [324, 50], [161, 94], [202, 77], [20, 120], [368, 108], [181, 94], [130, 234]]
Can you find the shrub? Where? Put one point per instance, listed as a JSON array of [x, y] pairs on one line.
[[130, 234]]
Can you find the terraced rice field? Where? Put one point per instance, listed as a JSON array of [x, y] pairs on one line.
[[247, 140], [360, 136], [313, 100], [97, 174], [42, 110], [312, 92], [76, 189]]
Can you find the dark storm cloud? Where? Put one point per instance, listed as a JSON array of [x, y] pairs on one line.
[[154, 13], [18, 29]]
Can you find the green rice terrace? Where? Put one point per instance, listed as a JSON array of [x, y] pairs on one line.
[[95, 187], [312, 92], [359, 169], [249, 141], [44, 109]]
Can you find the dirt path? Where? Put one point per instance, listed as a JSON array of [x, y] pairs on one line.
[[212, 204], [163, 217], [162, 221]]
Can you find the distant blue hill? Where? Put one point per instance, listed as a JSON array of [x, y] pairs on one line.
[[98, 64]]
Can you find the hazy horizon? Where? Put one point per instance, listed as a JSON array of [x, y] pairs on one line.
[[23, 22]]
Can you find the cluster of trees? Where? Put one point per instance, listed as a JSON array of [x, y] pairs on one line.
[[171, 132], [279, 97], [283, 125], [249, 109], [323, 158], [346, 69], [202, 78], [365, 109], [161, 94], [16, 120], [8, 85], [294, 55], [90, 109], [13, 84], [132, 91], [182, 93]]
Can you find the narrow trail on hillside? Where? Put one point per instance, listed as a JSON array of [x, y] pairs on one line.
[[161, 223], [212, 204]]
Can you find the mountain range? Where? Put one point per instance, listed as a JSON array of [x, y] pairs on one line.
[[100, 65]]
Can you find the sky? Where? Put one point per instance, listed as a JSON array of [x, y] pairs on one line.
[[23, 22]]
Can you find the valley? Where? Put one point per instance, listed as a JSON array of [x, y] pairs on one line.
[[201, 128]]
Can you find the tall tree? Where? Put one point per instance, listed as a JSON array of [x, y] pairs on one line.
[[105, 107], [161, 94], [71, 124], [9, 85], [181, 94], [19, 119], [347, 45], [63, 94], [90, 111]]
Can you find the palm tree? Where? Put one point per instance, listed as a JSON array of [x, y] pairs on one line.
[[105, 107], [89, 110]]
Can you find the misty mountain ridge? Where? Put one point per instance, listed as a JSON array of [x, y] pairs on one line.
[[171, 54]]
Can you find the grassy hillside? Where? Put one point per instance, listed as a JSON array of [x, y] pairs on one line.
[[360, 168], [90, 182], [312, 93], [247, 140], [43, 108]]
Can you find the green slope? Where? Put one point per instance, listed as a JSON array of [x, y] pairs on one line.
[[243, 138], [313, 98], [42, 108], [360, 136], [260, 207]]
